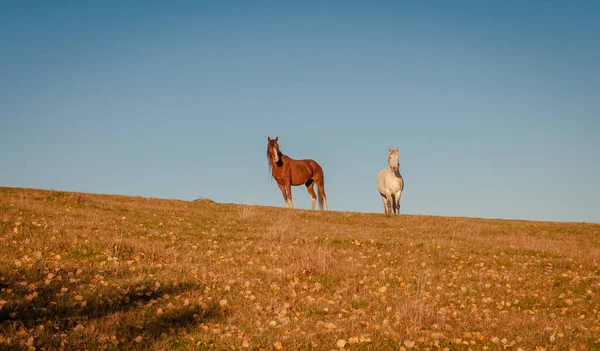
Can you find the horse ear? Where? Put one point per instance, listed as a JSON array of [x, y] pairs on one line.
[[269, 138], [276, 138], [396, 150]]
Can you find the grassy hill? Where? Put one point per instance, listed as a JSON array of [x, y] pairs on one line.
[[82, 271]]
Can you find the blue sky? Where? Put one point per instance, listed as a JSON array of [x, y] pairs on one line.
[[494, 105]]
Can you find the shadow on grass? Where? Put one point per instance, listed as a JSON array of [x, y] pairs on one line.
[[60, 312]]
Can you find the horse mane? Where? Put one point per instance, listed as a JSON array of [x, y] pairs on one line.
[[269, 162]]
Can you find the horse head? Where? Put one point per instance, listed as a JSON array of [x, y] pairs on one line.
[[393, 161], [273, 152]]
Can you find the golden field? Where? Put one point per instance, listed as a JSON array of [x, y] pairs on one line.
[[93, 272]]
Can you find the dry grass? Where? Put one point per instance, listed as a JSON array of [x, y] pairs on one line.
[[81, 271]]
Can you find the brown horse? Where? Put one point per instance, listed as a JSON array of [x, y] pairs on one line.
[[288, 172]]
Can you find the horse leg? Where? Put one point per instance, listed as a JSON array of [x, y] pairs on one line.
[[310, 186], [282, 188], [398, 195], [389, 200], [385, 204], [288, 186]]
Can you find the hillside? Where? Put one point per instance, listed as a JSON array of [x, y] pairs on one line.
[[82, 271]]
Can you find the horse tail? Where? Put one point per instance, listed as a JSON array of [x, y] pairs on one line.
[[321, 187], [319, 178]]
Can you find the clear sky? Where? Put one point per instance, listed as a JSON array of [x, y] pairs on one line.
[[494, 105]]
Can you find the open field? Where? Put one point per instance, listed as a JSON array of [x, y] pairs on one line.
[[82, 271]]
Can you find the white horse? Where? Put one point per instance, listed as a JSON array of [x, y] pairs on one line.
[[390, 183]]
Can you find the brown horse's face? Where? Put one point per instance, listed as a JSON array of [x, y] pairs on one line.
[[273, 149]]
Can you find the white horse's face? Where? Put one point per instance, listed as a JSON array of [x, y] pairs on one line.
[[393, 161]]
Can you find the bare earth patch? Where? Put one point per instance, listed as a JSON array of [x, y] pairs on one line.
[[82, 271]]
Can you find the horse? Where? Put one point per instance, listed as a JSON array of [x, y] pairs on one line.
[[289, 172], [390, 183]]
